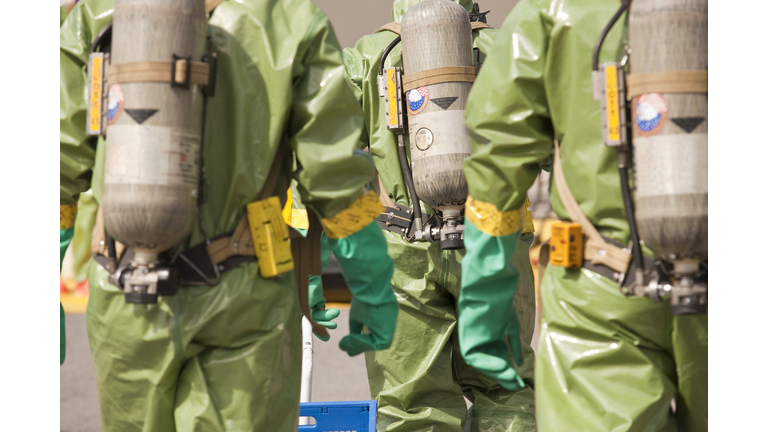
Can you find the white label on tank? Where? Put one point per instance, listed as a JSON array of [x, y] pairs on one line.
[[671, 164], [449, 135], [151, 155], [185, 158]]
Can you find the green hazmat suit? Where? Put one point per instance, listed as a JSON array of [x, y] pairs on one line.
[[81, 240], [605, 361], [65, 234], [420, 382], [295, 214], [228, 357]]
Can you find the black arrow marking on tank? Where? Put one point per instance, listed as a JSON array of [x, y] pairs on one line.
[[140, 115], [444, 102], [688, 124]]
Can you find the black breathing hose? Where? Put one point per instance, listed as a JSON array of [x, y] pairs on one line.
[[386, 53], [629, 207], [409, 182], [601, 39], [104, 35], [407, 175]]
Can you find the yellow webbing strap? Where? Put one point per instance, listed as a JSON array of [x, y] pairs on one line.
[[395, 27], [691, 81], [528, 222], [488, 219], [288, 207], [67, 215], [439, 75], [158, 71], [355, 217], [596, 249], [294, 217]]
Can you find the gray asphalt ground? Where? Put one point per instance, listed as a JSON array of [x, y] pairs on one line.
[[336, 377]]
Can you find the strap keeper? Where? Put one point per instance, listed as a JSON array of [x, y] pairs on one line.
[[181, 72]]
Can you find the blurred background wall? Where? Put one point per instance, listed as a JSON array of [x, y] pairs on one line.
[[353, 19]]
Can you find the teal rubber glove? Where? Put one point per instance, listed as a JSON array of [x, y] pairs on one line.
[[367, 270], [320, 314], [488, 324], [65, 236]]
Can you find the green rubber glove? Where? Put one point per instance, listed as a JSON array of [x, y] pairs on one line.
[[65, 236], [367, 270], [320, 314], [488, 325]]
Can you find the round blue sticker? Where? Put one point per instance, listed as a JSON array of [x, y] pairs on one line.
[[417, 100]]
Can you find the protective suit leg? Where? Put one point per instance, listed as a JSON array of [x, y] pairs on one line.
[[689, 344], [207, 359], [420, 381], [610, 362], [81, 242], [495, 408]]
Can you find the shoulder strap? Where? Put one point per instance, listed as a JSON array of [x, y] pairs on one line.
[[596, 249], [393, 27], [274, 173], [210, 5], [480, 25]]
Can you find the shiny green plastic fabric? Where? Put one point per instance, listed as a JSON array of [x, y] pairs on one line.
[[367, 269], [613, 362], [606, 362], [225, 357], [420, 381], [489, 328], [65, 236], [81, 241]]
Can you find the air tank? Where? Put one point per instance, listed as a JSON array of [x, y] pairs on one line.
[[152, 160], [437, 34], [669, 131]]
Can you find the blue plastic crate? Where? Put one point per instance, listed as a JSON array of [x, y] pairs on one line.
[[357, 416]]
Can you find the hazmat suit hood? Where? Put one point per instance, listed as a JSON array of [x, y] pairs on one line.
[[400, 6]]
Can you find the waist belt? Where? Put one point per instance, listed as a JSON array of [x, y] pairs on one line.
[[195, 266], [596, 248], [602, 269], [628, 277]]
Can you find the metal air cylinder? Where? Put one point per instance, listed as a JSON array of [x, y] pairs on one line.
[[669, 131], [436, 34], [152, 164]]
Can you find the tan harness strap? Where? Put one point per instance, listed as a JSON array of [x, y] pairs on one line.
[[439, 75], [596, 249], [241, 242], [378, 186], [99, 239], [479, 25], [158, 71], [395, 27], [691, 81], [210, 5]]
